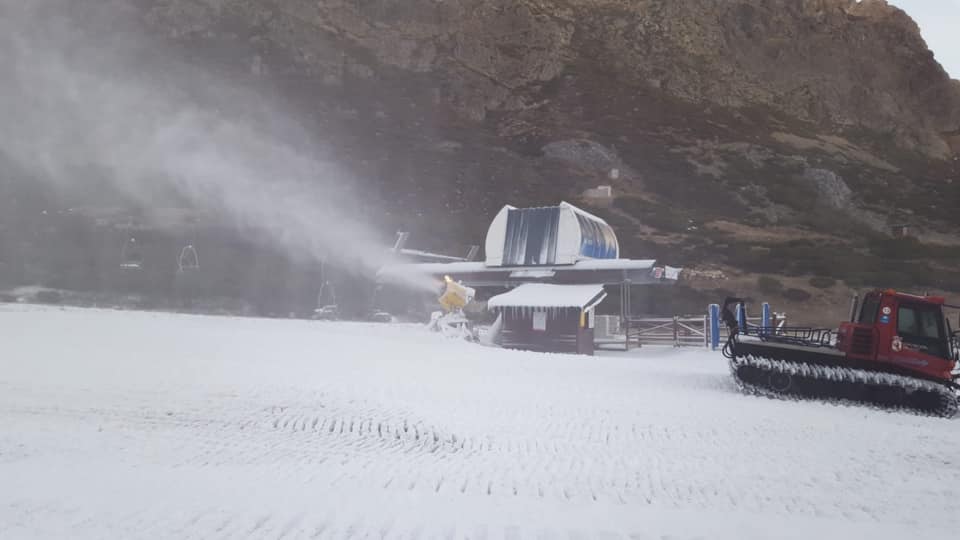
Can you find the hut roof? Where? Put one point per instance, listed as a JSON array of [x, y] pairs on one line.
[[544, 295]]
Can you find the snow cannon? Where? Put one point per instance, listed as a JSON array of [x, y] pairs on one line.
[[455, 296], [452, 322]]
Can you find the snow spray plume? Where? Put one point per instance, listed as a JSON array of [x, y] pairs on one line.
[[82, 94]]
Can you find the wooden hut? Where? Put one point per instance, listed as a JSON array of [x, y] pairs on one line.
[[548, 317]]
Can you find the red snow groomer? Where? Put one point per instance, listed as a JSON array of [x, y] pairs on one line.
[[897, 352]]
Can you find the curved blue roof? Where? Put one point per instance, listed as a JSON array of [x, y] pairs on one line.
[[597, 238], [548, 235]]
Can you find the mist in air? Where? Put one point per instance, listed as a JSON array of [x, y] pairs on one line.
[[87, 100]]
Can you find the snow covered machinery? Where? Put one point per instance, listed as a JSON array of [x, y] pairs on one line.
[[898, 351], [452, 322]]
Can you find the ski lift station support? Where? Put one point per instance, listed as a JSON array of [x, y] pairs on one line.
[[561, 245]]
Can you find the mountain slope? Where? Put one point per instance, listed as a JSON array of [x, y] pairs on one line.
[[766, 137], [826, 119]]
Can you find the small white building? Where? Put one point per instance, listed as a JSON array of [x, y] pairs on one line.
[[548, 318]]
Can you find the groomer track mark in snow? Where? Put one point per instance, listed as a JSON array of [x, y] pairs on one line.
[[140, 425]]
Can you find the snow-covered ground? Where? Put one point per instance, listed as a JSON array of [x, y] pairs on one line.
[[138, 425]]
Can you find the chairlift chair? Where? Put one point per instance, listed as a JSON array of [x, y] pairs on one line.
[[188, 259], [131, 257]]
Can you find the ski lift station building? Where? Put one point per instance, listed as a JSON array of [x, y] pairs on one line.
[[555, 262], [554, 235]]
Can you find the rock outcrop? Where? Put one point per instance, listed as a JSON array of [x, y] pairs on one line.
[[834, 63]]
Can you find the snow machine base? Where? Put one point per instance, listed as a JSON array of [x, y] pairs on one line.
[[784, 371], [452, 325]]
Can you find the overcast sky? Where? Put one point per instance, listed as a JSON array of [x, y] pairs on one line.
[[940, 22]]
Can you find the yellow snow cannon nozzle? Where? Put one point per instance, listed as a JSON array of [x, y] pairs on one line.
[[455, 296]]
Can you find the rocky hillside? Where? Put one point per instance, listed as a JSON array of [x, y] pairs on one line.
[[780, 136], [835, 64], [741, 137]]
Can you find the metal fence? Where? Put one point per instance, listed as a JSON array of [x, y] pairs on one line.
[[677, 331]]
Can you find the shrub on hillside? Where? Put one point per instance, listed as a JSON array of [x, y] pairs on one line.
[[769, 285], [822, 282], [797, 295]]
